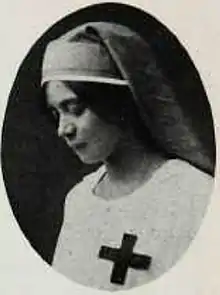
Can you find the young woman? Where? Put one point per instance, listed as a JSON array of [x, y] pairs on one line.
[[132, 219]]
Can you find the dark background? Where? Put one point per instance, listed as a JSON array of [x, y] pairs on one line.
[[38, 168]]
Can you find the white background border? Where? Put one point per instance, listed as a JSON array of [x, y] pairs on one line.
[[196, 24]]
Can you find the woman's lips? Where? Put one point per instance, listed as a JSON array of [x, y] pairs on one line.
[[79, 146]]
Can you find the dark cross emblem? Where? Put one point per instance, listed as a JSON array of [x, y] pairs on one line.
[[124, 258]]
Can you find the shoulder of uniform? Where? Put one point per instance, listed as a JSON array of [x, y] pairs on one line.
[[190, 189], [178, 167]]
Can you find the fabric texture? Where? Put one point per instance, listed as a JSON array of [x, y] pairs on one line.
[[79, 60], [165, 214]]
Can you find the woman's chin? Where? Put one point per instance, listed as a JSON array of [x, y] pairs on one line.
[[86, 159]]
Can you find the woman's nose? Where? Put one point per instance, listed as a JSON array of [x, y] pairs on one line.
[[66, 128]]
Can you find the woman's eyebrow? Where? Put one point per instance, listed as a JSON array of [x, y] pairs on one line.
[[64, 103]]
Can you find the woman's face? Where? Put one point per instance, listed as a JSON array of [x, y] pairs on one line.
[[92, 139]]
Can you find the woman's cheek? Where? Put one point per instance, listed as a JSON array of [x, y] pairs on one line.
[[89, 123]]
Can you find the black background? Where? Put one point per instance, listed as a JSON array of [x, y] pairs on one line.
[[38, 168]]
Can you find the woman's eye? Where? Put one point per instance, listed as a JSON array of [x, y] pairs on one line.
[[76, 108]]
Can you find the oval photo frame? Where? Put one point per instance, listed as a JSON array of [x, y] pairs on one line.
[[31, 175]]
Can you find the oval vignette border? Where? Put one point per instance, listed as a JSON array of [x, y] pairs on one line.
[[145, 10]]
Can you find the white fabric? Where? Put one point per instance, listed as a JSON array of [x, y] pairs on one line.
[[66, 59], [165, 213], [70, 76]]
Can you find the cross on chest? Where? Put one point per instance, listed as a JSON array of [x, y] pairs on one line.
[[124, 258]]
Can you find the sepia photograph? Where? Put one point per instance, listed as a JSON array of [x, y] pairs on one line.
[[108, 147]]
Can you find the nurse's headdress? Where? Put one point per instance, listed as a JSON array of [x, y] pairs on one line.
[[113, 54]]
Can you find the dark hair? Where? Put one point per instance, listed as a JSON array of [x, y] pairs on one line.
[[114, 104]]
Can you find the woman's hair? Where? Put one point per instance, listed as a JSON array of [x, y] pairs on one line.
[[115, 105]]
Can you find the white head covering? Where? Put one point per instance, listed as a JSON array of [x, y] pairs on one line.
[[79, 60]]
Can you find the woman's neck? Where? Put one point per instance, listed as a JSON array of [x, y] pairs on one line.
[[131, 165]]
